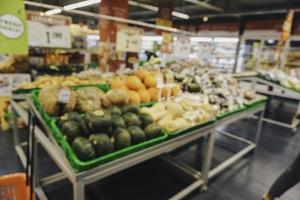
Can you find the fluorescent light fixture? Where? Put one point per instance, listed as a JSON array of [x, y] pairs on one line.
[[53, 11], [226, 39], [152, 38], [81, 4], [155, 9], [143, 5], [201, 39], [180, 15], [271, 41]]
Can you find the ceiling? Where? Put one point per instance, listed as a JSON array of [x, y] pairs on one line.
[[220, 10]]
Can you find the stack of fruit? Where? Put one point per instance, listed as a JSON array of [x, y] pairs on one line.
[[142, 87]]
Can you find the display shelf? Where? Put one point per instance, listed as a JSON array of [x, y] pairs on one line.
[[79, 180], [275, 89]]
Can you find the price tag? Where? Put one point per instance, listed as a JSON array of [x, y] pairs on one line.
[[64, 96]]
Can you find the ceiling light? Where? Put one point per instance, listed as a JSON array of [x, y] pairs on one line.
[[225, 39], [180, 15], [155, 9], [53, 11], [143, 5], [201, 39], [205, 18], [81, 4]]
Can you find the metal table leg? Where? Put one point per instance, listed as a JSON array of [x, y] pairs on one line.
[[18, 146], [202, 181], [78, 190], [208, 154], [259, 126]]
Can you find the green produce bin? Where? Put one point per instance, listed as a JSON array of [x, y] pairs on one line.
[[226, 114], [24, 91], [187, 130], [77, 164]]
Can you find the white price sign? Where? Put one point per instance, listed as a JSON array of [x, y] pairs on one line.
[[53, 31], [129, 39]]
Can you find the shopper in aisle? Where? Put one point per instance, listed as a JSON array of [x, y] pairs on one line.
[[286, 181]]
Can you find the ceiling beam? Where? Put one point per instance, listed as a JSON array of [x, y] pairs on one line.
[[206, 5]]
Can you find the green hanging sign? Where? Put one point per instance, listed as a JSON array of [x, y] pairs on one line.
[[13, 27]]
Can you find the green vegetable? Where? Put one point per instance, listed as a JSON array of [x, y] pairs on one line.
[[114, 110], [83, 149], [118, 122], [131, 119], [122, 138], [146, 119], [69, 116], [153, 130], [193, 87], [137, 134], [101, 143], [130, 108], [98, 121], [71, 130]]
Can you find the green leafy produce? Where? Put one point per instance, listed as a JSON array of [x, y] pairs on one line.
[[153, 130], [122, 138], [98, 121], [83, 149], [118, 122], [137, 134], [71, 129], [131, 119], [146, 119], [114, 110], [131, 108], [101, 143]]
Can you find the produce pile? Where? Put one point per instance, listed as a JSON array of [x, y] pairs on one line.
[[46, 81], [181, 96], [280, 77], [142, 86], [217, 89], [182, 113], [97, 123]]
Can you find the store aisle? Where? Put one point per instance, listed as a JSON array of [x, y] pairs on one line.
[[247, 180]]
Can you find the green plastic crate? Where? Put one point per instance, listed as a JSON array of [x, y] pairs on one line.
[[226, 114], [186, 130], [254, 103], [25, 91], [79, 165]]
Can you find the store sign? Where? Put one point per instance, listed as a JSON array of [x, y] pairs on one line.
[[167, 43], [13, 34], [182, 47], [129, 39], [45, 31]]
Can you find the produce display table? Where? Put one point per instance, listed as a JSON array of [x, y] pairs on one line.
[[263, 86], [41, 134]]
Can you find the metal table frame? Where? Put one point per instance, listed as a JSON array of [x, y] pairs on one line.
[[279, 91], [80, 180]]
